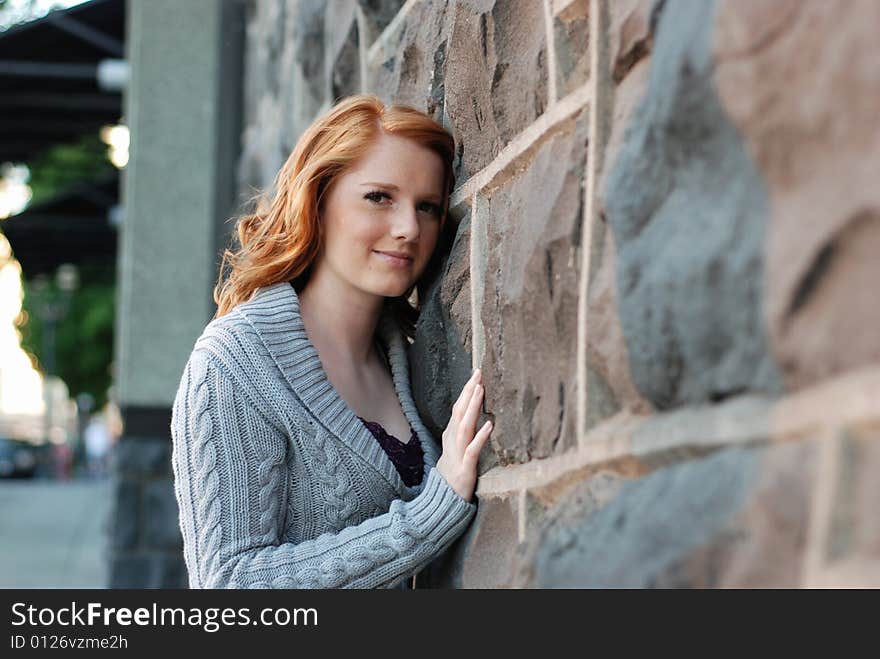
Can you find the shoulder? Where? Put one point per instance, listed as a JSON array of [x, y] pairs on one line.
[[230, 347], [227, 359], [222, 347], [228, 340]]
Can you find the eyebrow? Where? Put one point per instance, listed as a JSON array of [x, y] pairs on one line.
[[391, 186]]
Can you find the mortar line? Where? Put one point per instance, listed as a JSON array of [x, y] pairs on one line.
[[561, 111], [595, 153], [362, 49], [551, 54], [610, 445], [821, 504]]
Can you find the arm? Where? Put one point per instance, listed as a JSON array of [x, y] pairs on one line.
[[231, 477]]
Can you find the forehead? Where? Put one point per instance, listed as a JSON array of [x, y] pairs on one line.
[[399, 161]]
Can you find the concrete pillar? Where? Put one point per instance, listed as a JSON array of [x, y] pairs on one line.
[[183, 110]]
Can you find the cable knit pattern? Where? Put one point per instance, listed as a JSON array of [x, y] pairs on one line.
[[278, 483], [341, 500]]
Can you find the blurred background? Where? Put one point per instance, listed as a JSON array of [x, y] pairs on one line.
[[63, 143]]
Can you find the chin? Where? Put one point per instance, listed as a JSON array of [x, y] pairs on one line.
[[393, 290]]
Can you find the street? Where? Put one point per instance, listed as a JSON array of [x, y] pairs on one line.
[[54, 533]]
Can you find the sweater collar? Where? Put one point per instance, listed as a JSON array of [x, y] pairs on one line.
[[274, 313]]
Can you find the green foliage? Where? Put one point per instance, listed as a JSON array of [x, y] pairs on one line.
[[83, 338], [66, 164]]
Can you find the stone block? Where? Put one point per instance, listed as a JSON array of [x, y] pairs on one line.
[[854, 525], [738, 518], [159, 515], [168, 570], [440, 356], [411, 63], [285, 84], [265, 41], [148, 570], [496, 76], [490, 545], [377, 15], [799, 82], [141, 458], [125, 519], [342, 43], [130, 570], [487, 555], [630, 33], [609, 383], [571, 29], [689, 209], [553, 508], [530, 303]]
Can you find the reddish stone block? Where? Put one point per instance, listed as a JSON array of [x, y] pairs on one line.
[[530, 303], [496, 76], [799, 80]]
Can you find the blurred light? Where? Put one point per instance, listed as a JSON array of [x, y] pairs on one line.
[[117, 138], [67, 277], [115, 215], [113, 75], [14, 190]]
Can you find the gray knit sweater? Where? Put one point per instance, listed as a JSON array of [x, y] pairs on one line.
[[278, 482]]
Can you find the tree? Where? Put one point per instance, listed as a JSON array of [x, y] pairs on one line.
[[83, 338]]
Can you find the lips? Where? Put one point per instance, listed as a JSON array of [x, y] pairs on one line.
[[392, 259], [399, 255]]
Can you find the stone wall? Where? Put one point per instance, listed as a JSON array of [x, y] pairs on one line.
[[668, 225]]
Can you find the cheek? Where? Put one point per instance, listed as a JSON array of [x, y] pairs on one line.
[[357, 236]]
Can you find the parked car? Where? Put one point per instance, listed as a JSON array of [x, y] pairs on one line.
[[17, 459]]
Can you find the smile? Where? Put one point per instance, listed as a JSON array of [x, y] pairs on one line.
[[395, 261]]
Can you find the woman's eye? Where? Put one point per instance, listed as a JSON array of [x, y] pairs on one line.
[[375, 196], [433, 208]]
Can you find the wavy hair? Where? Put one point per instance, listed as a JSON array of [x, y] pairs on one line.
[[281, 238]]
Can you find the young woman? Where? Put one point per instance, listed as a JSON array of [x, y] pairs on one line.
[[300, 460]]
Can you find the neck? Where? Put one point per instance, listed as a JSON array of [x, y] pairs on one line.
[[340, 321]]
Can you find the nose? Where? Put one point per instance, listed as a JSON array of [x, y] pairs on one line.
[[406, 223]]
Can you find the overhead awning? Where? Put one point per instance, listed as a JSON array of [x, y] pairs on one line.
[[54, 74], [76, 226]]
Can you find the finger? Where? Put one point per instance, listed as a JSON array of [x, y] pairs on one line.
[[465, 394], [464, 397], [473, 450], [469, 421]]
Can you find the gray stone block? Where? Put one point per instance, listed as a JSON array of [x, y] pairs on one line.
[[142, 458], [571, 38], [125, 518], [689, 210], [649, 528], [159, 515], [168, 570], [440, 359], [378, 14], [130, 570]]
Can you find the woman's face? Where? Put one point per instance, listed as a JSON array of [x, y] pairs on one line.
[[390, 200]]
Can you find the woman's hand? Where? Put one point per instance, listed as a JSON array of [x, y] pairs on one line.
[[461, 447]]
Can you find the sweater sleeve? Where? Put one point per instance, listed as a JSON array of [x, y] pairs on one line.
[[231, 477]]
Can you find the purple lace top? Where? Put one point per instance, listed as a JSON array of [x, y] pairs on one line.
[[407, 457]]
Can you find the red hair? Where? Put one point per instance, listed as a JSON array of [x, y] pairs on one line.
[[281, 238]]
